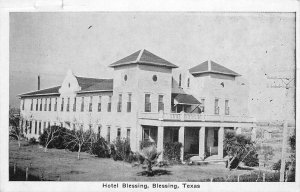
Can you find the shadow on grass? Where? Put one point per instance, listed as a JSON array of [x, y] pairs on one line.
[[157, 172], [245, 168]]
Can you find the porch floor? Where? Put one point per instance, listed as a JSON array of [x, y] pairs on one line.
[[210, 159]]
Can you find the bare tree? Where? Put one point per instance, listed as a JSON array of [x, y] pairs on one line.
[[14, 127], [78, 138], [52, 133]]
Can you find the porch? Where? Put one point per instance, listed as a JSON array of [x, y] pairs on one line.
[[203, 142]]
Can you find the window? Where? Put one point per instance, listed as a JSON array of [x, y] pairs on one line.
[[41, 105], [202, 106], [99, 104], [35, 127], [48, 124], [129, 102], [154, 78], [217, 106], [55, 106], [62, 104], [91, 103], [45, 105], [37, 105], [179, 80], [30, 127], [216, 137], [226, 107], [45, 126], [49, 104], [68, 104], [120, 103], [82, 104], [99, 131], [40, 128], [174, 134], [125, 77], [23, 102], [160, 103], [147, 103], [119, 132], [146, 136], [74, 104], [188, 82], [108, 134], [31, 107], [128, 134], [26, 124], [109, 104]]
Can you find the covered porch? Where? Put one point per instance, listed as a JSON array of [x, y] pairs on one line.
[[202, 141]]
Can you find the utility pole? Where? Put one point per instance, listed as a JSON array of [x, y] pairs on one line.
[[284, 82]]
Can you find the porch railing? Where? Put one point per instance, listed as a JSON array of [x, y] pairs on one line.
[[194, 117]]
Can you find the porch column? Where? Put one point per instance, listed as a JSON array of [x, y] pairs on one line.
[[181, 140], [220, 142], [253, 134], [160, 141], [202, 142]]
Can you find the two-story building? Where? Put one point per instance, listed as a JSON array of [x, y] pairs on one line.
[[146, 100]]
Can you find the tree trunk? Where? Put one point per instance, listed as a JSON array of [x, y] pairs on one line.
[[78, 154], [19, 143], [45, 149], [230, 161], [150, 172]]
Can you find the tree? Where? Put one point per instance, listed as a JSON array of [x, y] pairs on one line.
[[240, 149], [150, 155], [50, 134], [14, 126], [78, 138]]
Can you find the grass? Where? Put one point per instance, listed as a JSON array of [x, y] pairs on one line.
[[63, 165]]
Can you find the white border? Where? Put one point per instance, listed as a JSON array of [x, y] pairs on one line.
[[126, 5]]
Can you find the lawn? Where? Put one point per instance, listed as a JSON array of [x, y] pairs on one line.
[[63, 165]]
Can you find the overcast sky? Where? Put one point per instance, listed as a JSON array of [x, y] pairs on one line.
[[252, 44]]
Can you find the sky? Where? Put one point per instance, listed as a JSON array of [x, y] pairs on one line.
[[255, 45]]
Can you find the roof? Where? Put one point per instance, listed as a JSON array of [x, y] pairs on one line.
[[143, 57], [93, 84], [48, 91], [86, 84], [186, 99], [211, 67]]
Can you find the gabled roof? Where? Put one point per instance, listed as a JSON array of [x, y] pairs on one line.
[[143, 57], [48, 91], [96, 85], [185, 99], [211, 67]]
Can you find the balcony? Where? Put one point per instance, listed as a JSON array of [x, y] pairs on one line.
[[195, 117]]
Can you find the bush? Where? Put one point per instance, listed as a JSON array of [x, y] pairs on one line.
[[240, 147], [172, 151], [100, 148], [120, 149], [32, 141], [144, 144], [59, 142]]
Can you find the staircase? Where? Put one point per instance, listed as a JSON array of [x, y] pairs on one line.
[[214, 159]]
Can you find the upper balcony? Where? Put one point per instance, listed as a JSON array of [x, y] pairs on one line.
[[195, 117]]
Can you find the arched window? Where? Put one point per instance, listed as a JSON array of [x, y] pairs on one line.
[[179, 80], [188, 82]]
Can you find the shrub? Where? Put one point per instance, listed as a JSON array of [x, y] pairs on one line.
[[240, 147], [149, 155], [172, 151], [146, 143], [59, 141], [121, 149], [100, 148], [32, 141]]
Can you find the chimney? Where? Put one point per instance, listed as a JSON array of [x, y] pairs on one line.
[[39, 82]]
